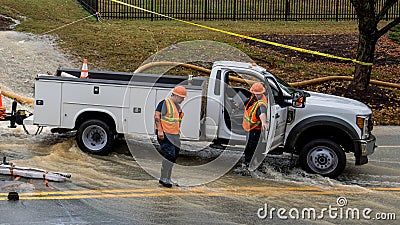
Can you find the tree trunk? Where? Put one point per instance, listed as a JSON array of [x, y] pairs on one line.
[[365, 53], [368, 36], [368, 16]]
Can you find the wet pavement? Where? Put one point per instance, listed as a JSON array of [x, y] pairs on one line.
[[114, 189]]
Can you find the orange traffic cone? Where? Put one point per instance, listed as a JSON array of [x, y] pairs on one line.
[[2, 108], [85, 70]]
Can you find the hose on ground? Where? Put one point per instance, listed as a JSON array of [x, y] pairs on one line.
[[349, 78], [294, 84], [20, 99]]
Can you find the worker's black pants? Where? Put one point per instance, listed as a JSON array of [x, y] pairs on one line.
[[170, 153], [253, 143]]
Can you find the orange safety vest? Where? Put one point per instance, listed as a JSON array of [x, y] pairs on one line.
[[171, 121], [250, 120]]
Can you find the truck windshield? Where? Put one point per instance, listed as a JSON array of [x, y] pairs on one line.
[[282, 84]]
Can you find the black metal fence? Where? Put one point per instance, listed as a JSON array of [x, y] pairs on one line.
[[232, 9]]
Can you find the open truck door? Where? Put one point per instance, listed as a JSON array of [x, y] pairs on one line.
[[267, 136], [234, 95], [272, 115]]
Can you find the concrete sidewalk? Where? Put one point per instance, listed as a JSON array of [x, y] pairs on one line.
[[386, 130], [387, 135]]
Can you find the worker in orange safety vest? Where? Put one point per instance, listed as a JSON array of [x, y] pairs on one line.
[[168, 116], [254, 121]]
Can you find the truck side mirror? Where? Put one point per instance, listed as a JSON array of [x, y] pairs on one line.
[[298, 99]]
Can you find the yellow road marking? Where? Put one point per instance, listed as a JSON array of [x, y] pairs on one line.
[[389, 146], [196, 189], [247, 37], [163, 194], [386, 189], [201, 191]]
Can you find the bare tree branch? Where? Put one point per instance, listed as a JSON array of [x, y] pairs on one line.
[[385, 9], [388, 27]]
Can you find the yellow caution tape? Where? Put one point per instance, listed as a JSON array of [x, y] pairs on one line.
[[248, 37]]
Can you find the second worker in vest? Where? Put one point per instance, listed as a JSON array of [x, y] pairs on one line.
[[168, 117], [254, 121]]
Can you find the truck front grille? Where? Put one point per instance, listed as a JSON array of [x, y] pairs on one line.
[[370, 124]]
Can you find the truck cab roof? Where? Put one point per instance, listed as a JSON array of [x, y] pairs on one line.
[[239, 65]]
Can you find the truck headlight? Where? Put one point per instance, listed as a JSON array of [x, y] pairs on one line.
[[365, 125]]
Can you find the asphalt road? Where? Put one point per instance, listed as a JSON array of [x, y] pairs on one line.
[[277, 198]]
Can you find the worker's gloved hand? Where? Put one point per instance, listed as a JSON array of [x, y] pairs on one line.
[[160, 135]]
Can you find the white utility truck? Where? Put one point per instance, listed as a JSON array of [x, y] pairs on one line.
[[319, 128]]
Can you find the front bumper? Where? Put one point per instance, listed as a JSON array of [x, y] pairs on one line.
[[363, 149]]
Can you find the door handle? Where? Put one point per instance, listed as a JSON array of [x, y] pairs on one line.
[[277, 116], [96, 90]]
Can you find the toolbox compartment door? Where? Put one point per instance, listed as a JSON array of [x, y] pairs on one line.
[[47, 106], [140, 114]]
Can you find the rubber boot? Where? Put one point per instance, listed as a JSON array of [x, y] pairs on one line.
[[166, 169], [169, 173]]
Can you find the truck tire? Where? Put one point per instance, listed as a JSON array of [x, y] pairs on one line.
[[324, 157], [95, 136]]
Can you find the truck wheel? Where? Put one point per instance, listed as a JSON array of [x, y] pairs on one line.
[[324, 157], [95, 136]]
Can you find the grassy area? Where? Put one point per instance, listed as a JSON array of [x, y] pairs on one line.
[[124, 45]]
